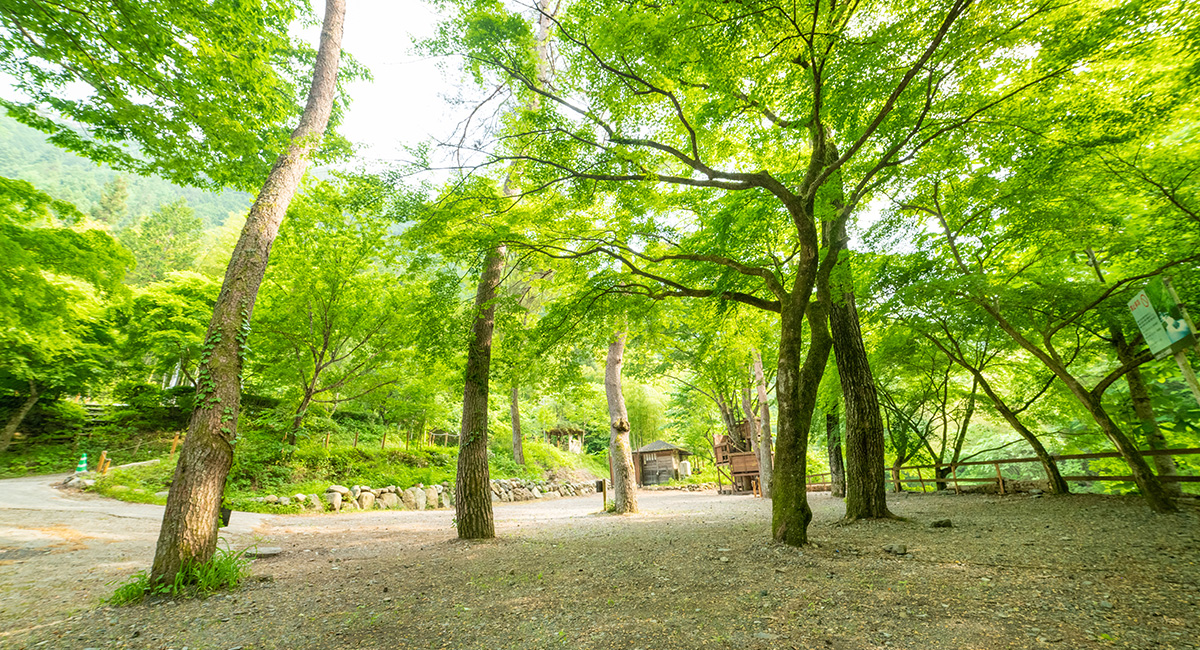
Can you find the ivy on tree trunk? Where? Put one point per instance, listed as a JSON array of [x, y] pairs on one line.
[[189, 528]]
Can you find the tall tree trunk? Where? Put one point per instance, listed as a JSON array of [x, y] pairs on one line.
[[1151, 488], [765, 460], [865, 496], [619, 451], [473, 494], [833, 443], [189, 527], [18, 416], [517, 442], [796, 397]]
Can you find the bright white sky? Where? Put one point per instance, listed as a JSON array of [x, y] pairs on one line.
[[406, 104]]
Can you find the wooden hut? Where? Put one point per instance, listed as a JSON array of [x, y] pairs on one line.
[[658, 462]]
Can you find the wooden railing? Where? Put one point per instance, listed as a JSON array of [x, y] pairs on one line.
[[821, 482]]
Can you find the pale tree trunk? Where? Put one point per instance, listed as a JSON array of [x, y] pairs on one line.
[[765, 460], [189, 527], [755, 434], [865, 496], [619, 452], [517, 442], [18, 416], [833, 444], [473, 494]]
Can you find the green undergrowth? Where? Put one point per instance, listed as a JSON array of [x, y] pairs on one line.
[[27, 458], [226, 570], [263, 465], [139, 484]]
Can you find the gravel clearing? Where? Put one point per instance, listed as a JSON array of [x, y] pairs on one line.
[[693, 570]]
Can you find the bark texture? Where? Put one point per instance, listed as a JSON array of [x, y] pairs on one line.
[[18, 416], [865, 496], [796, 397], [833, 443], [515, 414], [473, 494], [765, 456], [189, 528], [620, 454]]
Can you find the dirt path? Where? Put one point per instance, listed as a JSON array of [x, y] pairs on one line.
[[60, 548], [692, 571]]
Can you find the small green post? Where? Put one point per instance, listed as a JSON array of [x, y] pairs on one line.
[[82, 466]]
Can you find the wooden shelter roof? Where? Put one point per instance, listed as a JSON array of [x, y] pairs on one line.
[[659, 445]]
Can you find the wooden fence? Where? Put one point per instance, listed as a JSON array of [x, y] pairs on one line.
[[820, 482]]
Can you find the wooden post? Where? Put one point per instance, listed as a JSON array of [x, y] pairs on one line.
[[954, 475], [100, 465], [383, 444], [895, 480], [356, 439], [921, 479], [999, 479], [174, 444]]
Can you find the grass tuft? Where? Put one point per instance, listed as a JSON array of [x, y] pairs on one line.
[[226, 570]]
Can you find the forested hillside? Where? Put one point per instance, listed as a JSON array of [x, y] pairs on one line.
[[25, 154]]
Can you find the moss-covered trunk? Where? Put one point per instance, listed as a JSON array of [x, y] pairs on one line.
[[473, 493], [189, 528]]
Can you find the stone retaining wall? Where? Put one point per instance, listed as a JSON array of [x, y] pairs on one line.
[[515, 489], [685, 487], [422, 497]]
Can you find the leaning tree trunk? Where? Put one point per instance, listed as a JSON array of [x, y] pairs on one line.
[[765, 460], [298, 417], [619, 452], [1149, 485], [1144, 410], [865, 496], [517, 442], [189, 526], [473, 494], [833, 443], [18, 416]]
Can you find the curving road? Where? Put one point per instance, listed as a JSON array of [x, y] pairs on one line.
[[63, 550], [40, 494]]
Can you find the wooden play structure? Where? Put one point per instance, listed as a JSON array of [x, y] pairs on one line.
[[737, 463], [570, 440]]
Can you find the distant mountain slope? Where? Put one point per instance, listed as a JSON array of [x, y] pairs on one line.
[[25, 154]]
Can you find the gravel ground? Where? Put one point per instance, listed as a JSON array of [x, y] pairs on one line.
[[693, 570]]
